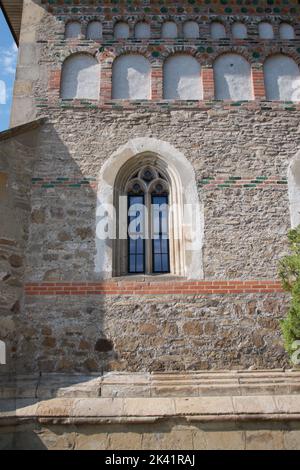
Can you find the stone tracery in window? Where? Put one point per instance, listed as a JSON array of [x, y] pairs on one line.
[[147, 180]]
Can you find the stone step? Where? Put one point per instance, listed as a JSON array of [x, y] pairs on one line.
[[137, 410], [116, 384]]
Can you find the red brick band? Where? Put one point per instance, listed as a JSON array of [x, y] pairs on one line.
[[150, 287]]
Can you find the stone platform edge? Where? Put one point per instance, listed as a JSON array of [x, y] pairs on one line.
[[151, 410]]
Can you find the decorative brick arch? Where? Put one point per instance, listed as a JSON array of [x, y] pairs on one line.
[[182, 49], [282, 51], [128, 50], [91, 51], [218, 19], [187, 250], [239, 19], [242, 51]]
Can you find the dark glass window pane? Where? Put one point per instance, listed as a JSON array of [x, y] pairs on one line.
[[160, 242], [136, 200], [140, 263], [165, 263], [131, 245], [156, 246], [140, 246], [136, 243], [157, 263], [132, 263], [164, 246]]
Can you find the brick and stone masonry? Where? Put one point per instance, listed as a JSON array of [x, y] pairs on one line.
[[240, 152], [60, 315]]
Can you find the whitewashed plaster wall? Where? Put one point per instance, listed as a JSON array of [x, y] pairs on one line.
[[80, 78], [265, 30], [169, 30], [182, 78], [286, 31], [239, 30], [282, 78], [131, 78], [121, 30], [73, 30], [232, 75], [94, 30], [191, 30], [142, 30], [217, 30]]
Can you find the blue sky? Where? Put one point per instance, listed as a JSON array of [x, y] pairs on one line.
[[8, 59]]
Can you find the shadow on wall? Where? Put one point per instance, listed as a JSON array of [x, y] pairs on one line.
[[161, 435], [17, 157], [48, 235], [21, 438]]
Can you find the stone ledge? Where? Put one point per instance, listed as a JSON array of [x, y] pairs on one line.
[[137, 410], [151, 385]]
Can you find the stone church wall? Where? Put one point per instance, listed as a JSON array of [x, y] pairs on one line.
[[240, 151]]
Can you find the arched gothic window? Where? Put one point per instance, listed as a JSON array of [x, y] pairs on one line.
[[148, 200], [148, 225]]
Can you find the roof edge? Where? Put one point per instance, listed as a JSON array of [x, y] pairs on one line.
[[13, 16], [27, 127], [16, 39]]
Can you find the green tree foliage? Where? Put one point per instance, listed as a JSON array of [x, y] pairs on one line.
[[289, 272]]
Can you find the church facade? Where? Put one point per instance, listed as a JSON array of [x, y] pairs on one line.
[[190, 107]]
